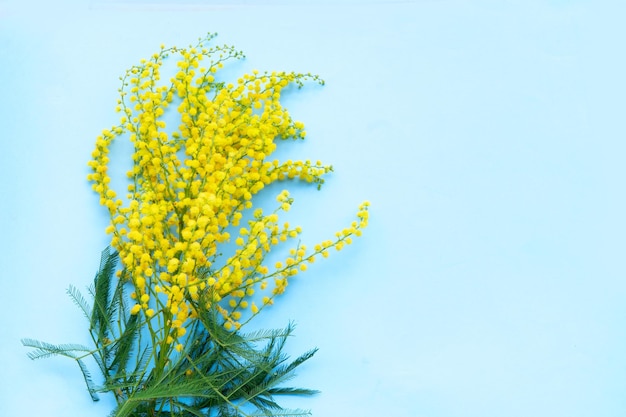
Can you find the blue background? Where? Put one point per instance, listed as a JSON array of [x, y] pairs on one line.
[[488, 136]]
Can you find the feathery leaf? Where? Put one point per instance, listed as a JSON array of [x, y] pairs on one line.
[[44, 349], [79, 300]]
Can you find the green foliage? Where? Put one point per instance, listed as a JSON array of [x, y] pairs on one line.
[[218, 373]]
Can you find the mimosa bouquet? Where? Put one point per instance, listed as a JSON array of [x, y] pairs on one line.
[[187, 267]]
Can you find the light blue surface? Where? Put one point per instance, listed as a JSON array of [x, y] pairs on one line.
[[488, 135]]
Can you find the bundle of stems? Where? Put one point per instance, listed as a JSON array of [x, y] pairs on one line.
[[218, 373]]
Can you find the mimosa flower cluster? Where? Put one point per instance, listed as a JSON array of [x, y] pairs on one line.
[[188, 263], [191, 184]]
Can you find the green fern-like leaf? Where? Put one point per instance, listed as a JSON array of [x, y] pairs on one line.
[[125, 343], [281, 372], [88, 381], [80, 301], [45, 350], [292, 391], [101, 315]]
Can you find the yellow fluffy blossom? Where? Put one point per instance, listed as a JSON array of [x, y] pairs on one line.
[[202, 150]]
